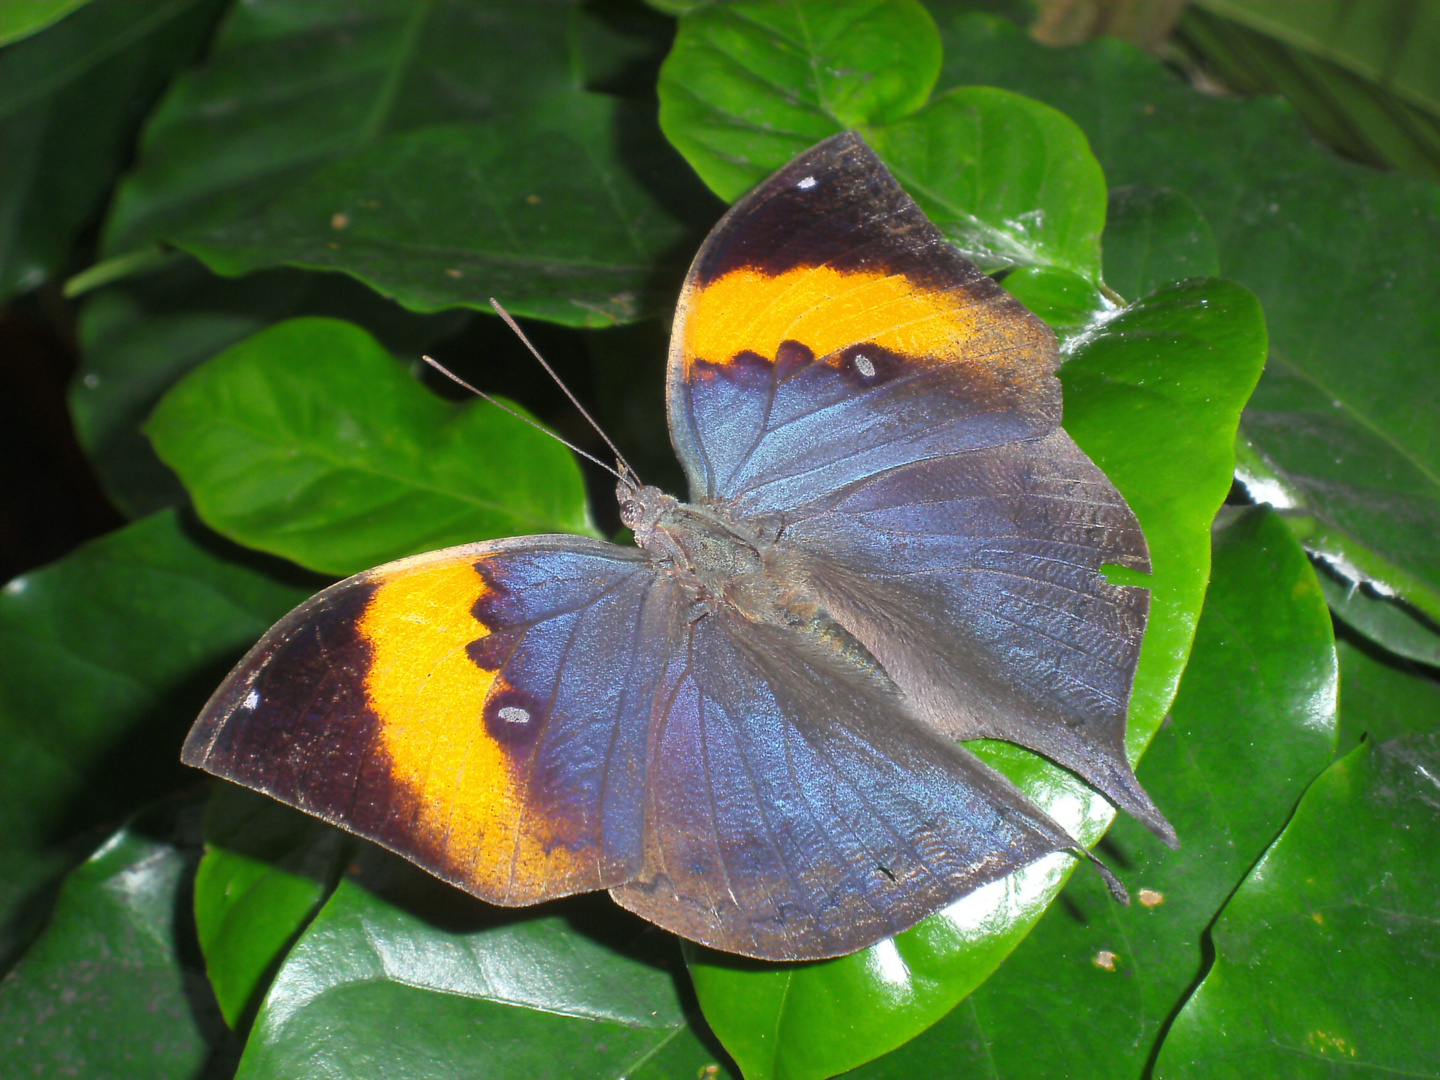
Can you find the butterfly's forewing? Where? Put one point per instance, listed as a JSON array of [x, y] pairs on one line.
[[796, 811], [479, 710], [828, 330], [840, 372]]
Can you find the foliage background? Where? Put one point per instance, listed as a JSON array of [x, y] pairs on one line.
[[257, 210]]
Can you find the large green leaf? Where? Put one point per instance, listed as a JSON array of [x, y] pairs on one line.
[[105, 658], [107, 991], [1101, 980], [747, 86], [308, 441], [750, 84], [1325, 957], [71, 99], [1153, 395], [441, 152], [1342, 258], [140, 335], [445, 986]]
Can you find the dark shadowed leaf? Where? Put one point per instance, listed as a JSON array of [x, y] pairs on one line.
[[441, 153], [1392, 624], [1383, 697], [105, 658], [21, 18], [71, 100]]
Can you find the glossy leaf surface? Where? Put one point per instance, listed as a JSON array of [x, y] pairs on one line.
[[1011, 183], [264, 872], [106, 990]]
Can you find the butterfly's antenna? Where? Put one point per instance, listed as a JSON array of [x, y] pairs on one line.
[[626, 473], [621, 476]]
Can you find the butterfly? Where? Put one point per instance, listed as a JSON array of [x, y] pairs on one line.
[[745, 724]]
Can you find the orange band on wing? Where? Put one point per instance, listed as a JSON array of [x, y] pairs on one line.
[[430, 697], [827, 311]]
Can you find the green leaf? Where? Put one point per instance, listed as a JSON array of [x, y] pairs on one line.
[[265, 870], [70, 101], [138, 336], [308, 441], [1325, 957], [1101, 979], [105, 658], [447, 986], [1153, 394], [749, 85], [1154, 236], [1342, 258], [1375, 503], [1009, 180], [441, 153], [21, 18], [1070, 305], [107, 991]]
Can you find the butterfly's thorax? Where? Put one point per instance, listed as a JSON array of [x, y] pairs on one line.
[[738, 566]]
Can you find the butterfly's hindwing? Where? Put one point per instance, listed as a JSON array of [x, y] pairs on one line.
[[797, 811]]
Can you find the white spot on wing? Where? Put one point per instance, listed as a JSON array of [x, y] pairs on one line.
[[806, 184], [864, 365], [513, 714], [252, 699]]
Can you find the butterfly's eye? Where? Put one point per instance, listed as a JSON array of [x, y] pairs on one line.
[[630, 513]]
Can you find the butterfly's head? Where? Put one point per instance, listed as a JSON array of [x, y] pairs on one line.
[[641, 508]]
